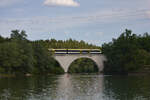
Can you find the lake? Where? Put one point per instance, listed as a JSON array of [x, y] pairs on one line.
[[75, 87]]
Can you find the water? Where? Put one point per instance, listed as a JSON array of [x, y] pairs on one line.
[[75, 87]]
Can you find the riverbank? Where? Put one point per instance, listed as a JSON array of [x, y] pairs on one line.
[[32, 75], [25, 75]]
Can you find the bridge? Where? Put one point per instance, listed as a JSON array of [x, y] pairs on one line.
[[66, 56]]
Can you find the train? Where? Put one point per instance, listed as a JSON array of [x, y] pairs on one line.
[[75, 51]]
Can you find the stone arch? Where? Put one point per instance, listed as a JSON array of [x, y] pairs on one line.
[[66, 60]]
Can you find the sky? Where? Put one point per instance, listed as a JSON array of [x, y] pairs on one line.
[[94, 21]]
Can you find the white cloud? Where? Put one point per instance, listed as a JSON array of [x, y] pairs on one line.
[[61, 3], [4, 3], [44, 24]]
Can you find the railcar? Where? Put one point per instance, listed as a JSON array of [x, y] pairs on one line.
[[75, 51]]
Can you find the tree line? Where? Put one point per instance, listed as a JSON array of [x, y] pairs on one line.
[[126, 54], [129, 53], [18, 55]]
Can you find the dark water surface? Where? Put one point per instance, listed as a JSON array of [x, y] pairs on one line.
[[75, 87]]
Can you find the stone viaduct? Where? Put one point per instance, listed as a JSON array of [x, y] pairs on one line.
[[66, 60]]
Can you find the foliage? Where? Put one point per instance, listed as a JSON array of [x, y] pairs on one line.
[[44, 63], [67, 44], [83, 65], [18, 55], [127, 53]]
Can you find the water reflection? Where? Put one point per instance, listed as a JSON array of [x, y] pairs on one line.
[[75, 87], [127, 87], [79, 87]]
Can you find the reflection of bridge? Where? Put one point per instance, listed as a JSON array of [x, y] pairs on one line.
[[66, 56]]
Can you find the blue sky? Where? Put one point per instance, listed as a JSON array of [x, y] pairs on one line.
[[94, 21]]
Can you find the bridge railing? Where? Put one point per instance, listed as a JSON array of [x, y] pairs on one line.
[[75, 51]]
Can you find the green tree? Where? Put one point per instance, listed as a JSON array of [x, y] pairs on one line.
[[127, 53]]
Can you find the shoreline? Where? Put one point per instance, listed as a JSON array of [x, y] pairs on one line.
[[30, 75]]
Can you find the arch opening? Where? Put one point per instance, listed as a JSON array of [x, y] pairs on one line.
[[83, 65]]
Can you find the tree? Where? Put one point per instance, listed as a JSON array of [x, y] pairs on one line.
[[18, 36], [127, 53], [20, 55]]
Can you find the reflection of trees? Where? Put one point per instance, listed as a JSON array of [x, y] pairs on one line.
[[23, 88], [13, 89], [127, 88], [75, 87], [64, 87]]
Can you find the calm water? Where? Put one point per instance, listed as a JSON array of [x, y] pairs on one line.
[[75, 87]]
